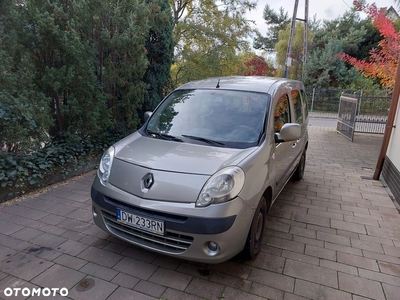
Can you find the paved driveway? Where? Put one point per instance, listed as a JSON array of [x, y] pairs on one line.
[[334, 235]]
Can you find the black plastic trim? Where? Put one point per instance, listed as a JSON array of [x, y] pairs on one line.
[[194, 225]]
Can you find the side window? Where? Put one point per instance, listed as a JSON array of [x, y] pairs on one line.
[[281, 114], [304, 97], [298, 107]]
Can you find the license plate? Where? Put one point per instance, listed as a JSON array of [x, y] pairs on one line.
[[140, 222]]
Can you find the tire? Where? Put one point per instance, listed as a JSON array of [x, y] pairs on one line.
[[255, 237], [299, 173]]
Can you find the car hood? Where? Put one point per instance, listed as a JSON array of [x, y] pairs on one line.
[[171, 156]]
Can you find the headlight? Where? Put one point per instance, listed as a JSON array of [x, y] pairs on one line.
[[223, 186], [105, 165]]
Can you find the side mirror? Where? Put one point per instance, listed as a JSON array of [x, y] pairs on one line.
[[147, 115], [289, 132]]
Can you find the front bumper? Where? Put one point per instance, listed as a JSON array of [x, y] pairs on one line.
[[187, 229]]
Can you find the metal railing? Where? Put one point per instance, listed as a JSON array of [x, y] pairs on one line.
[[371, 108]]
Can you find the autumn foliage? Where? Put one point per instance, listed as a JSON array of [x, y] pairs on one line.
[[383, 60], [257, 66]]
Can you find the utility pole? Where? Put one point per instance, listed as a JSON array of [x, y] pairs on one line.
[[288, 61]]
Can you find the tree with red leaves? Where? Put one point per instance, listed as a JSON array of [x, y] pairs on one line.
[[257, 66], [383, 60]]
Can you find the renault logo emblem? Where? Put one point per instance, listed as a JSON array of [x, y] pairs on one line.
[[148, 180]]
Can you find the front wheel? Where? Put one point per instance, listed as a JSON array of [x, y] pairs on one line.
[[299, 173], [256, 233]]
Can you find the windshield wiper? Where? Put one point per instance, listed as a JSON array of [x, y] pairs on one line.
[[198, 138], [164, 136]]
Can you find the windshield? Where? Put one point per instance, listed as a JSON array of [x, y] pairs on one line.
[[222, 118]]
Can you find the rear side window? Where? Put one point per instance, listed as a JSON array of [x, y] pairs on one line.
[[298, 107], [304, 97], [281, 114]]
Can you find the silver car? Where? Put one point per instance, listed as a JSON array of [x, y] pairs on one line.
[[197, 179]]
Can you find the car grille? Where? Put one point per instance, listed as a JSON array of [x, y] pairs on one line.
[[170, 242]]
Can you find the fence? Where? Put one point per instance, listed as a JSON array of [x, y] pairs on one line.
[[371, 109]]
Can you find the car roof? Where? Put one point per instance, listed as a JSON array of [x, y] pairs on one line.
[[260, 84]]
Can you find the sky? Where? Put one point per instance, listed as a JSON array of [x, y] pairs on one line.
[[323, 9]]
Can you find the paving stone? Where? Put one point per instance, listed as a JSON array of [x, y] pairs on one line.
[[231, 293], [70, 261], [301, 257], [266, 292], [316, 291], [357, 261], [278, 234], [231, 267], [389, 268], [100, 256], [27, 234], [92, 288], [74, 225], [381, 257], [362, 221], [385, 278], [98, 271], [333, 238], [206, 289], [115, 247], [72, 247], [321, 252], [271, 279], [14, 282], [360, 286], [6, 252], [150, 288], [285, 244], [125, 280], [58, 277], [349, 234], [347, 226], [327, 214], [52, 229], [308, 241], [22, 211], [392, 251], [175, 294], [52, 219], [94, 241], [311, 273], [166, 262], [269, 262], [139, 254], [48, 240], [299, 231], [232, 281], [9, 228], [383, 233], [355, 209], [305, 218], [123, 293], [392, 292], [61, 209], [289, 296], [375, 247], [24, 266], [135, 268], [321, 228], [377, 240], [170, 278], [42, 252], [338, 267]]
